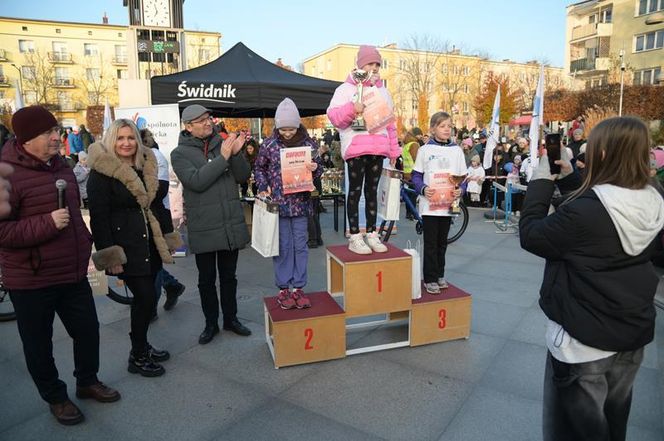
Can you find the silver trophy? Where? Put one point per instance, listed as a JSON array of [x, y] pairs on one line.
[[359, 76]]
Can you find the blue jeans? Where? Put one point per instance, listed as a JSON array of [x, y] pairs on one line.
[[589, 401], [164, 278], [290, 266]]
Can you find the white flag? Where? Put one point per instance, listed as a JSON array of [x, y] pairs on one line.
[[107, 116], [536, 122], [18, 101], [494, 132]]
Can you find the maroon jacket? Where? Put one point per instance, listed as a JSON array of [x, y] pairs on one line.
[[33, 253]]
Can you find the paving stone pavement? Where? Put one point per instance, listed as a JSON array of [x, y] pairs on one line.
[[488, 387]]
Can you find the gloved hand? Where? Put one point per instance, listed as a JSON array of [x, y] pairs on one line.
[[543, 171], [566, 168]]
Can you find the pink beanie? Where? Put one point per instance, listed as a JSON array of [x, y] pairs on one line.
[[367, 54]]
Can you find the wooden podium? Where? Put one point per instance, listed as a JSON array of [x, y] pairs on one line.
[[367, 286]]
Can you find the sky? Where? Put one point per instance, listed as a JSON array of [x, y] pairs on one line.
[[293, 30]]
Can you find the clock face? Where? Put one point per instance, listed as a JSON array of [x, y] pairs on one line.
[[156, 13]]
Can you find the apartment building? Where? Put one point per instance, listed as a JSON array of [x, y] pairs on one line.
[[449, 79], [602, 35], [73, 65]]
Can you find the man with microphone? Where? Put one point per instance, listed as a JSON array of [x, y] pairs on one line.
[[44, 253]]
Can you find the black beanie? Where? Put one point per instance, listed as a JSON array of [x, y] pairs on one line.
[[30, 122]]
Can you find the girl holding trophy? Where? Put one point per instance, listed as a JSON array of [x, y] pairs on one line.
[[287, 163], [367, 138], [439, 168]]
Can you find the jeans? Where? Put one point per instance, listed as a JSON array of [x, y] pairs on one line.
[[589, 401], [35, 311], [290, 266], [163, 279], [208, 264], [435, 230]]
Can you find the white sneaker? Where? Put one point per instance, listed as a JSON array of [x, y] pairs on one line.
[[432, 288], [356, 244], [373, 240], [442, 283]]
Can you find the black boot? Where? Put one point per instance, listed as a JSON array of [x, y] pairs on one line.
[[211, 329], [144, 365], [158, 355], [172, 293]]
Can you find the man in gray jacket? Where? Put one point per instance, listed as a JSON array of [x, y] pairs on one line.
[[210, 172]]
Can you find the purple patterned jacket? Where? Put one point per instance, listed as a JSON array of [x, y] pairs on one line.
[[267, 172]]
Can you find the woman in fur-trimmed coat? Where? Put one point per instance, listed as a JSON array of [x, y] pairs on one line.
[[131, 235]]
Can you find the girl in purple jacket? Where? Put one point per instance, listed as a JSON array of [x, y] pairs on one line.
[[290, 266]]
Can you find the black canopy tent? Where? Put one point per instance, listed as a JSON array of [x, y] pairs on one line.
[[242, 84]]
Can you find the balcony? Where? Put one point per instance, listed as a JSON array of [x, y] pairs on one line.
[[60, 57], [582, 64], [120, 59], [63, 82], [592, 30], [68, 106], [4, 81], [3, 55]]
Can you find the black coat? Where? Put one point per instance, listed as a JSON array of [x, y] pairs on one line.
[[602, 296], [118, 219]]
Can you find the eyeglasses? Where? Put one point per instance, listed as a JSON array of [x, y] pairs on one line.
[[207, 119]]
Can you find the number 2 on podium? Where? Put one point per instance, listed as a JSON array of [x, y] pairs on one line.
[[379, 277], [309, 335]]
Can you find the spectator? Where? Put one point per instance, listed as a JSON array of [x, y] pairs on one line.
[[82, 171], [86, 137]]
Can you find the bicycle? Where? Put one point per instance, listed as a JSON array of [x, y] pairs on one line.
[[7, 312], [458, 224]]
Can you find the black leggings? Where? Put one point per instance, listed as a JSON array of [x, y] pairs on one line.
[[145, 299], [363, 169]]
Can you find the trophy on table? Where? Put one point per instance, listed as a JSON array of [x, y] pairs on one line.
[[359, 76], [456, 180]]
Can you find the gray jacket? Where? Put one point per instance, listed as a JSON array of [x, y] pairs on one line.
[[215, 219]]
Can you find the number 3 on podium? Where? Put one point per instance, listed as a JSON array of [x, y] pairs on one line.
[[442, 318]]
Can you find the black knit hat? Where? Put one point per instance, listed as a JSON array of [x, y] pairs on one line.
[[30, 122]]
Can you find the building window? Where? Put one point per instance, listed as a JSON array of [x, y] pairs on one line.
[[60, 48], [28, 72], [90, 50], [649, 41], [122, 74], [61, 74], [92, 74], [120, 34], [647, 76], [465, 88], [58, 31], [89, 32], [443, 69], [385, 84], [415, 105], [649, 6], [385, 64], [26, 46], [203, 55], [24, 28], [465, 106]]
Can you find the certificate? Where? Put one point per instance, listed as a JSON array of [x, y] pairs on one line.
[[444, 191], [377, 113], [295, 176]]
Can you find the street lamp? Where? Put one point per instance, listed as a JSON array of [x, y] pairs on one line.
[[20, 81], [622, 80]]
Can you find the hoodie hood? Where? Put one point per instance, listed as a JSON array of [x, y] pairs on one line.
[[638, 215]]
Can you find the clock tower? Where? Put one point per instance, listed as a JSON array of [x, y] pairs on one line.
[[154, 37]]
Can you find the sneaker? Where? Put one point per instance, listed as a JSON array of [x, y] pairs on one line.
[[172, 293], [285, 300], [374, 242], [432, 288], [300, 300], [442, 283], [356, 244]]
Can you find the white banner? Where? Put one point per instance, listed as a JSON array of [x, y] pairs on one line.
[[163, 121], [535, 123]]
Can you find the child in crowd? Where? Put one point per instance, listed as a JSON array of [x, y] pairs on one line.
[[290, 266], [475, 179], [435, 157], [363, 152], [514, 177], [82, 172]]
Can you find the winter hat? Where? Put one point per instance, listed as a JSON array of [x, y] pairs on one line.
[[30, 122], [287, 115], [192, 112], [476, 158], [467, 142], [82, 155], [367, 54]]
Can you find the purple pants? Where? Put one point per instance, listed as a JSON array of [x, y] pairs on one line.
[[290, 266]]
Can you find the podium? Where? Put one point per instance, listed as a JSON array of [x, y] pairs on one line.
[[361, 288]]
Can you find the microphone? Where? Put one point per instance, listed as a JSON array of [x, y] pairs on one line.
[[61, 185]]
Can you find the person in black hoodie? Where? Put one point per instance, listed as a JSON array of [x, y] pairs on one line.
[[599, 284]]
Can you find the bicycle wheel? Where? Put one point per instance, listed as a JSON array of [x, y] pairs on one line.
[[118, 292], [458, 225], [7, 312]]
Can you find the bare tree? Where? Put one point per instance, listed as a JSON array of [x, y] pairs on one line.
[[38, 76], [98, 80]]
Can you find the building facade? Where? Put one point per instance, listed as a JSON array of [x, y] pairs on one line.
[[448, 79], [71, 66], [599, 31]]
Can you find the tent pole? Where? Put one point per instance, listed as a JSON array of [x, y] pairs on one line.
[[260, 129]]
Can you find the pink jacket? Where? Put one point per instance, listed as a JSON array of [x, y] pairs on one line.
[[341, 113]]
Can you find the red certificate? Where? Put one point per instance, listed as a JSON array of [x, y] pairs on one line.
[[295, 176], [377, 113], [444, 191]]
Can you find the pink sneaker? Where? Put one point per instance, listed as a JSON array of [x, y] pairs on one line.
[[285, 300], [300, 300]]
